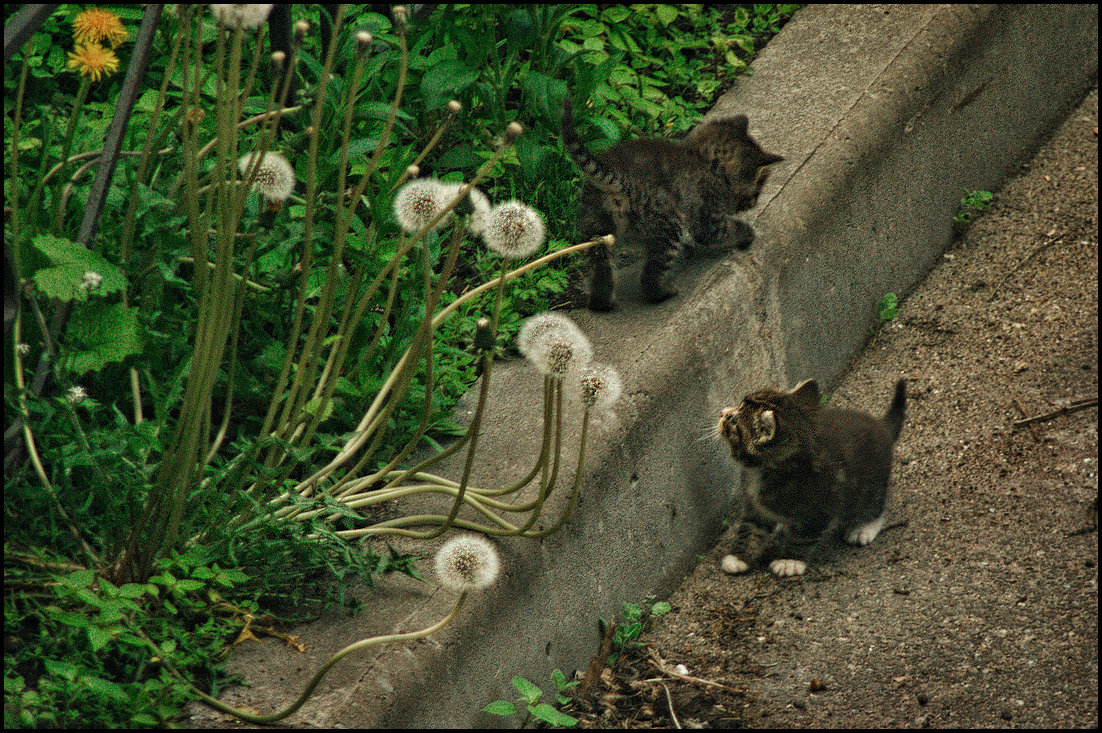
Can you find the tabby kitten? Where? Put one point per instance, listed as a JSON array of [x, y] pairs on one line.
[[814, 471], [665, 195]]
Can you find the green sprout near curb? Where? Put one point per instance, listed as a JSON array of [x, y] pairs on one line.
[[530, 695], [972, 204], [887, 308]]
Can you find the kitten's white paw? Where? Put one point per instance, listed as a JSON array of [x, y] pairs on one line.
[[732, 565], [787, 568], [863, 534]]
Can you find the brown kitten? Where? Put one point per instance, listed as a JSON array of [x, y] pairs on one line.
[[665, 195], [814, 470]]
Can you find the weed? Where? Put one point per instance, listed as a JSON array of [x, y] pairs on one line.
[[972, 204], [530, 695]]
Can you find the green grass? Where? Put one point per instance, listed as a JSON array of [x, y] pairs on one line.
[[85, 642]]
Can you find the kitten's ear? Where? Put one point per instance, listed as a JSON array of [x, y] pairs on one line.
[[769, 159], [807, 393], [741, 125], [768, 426]]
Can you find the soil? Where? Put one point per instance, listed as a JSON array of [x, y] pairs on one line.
[[979, 607]]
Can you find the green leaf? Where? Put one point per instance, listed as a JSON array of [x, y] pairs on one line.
[[105, 688], [500, 707], [190, 585], [101, 333], [61, 669], [660, 608], [529, 691], [79, 579], [98, 637], [444, 81], [888, 308], [551, 716], [71, 261], [666, 13]]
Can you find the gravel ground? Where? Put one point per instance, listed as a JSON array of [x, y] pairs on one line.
[[981, 607]]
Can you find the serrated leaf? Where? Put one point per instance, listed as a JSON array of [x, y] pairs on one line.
[[500, 707], [100, 333], [551, 716], [98, 637], [70, 261], [529, 691], [105, 688]]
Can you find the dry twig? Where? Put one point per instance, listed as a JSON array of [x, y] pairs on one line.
[[1072, 407]]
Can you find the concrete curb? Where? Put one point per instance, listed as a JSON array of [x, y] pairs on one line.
[[885, 114]]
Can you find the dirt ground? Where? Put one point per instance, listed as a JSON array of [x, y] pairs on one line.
[[980, 608]]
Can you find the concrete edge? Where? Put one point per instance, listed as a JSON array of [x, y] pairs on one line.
[[885, 114]]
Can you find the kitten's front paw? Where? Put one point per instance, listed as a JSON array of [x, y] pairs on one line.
[[732, 565], [601, 303], [787, 568], [743, 234], [863, 534]]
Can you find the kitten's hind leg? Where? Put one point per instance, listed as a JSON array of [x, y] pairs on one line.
[[864, 534]]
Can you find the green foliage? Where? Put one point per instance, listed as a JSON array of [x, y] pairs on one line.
[[887, 308], [972, 204], [635, 620], [530, 695], [158, 268]]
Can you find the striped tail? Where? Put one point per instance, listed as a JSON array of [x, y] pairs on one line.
[[893, 418], [591, 168]]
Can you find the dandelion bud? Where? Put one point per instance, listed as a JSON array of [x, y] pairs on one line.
[[513, 230], [418, 202], [513, 131], [455, 107], [247, 17], [301, 27], [278, 57], [413, 171], [467, 562], [484, 339], [599, 387], [275, 176], [609, 240], [401, 18], [364, 39]]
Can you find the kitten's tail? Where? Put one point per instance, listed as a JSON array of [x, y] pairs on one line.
[[591, 168], [893, 418]]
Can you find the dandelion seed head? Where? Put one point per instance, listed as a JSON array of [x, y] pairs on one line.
[[23, 349], [97, 24], [481, 208], [455, 106], [599, 387], [513, 230], [418, 202], [275, 176], [93, 61], [467, 562], [75, 394], [554, 344], [91, 281], [247, 17]]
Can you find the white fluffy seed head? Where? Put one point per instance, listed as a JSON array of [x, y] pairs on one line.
[[275, 176], [554, 345], [514, 230], [480, 213], [234, 15], [599, 387], [455, 106], [467, 562], [419, 201]]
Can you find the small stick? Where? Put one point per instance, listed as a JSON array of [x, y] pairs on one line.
[[669, 701], [1073, 407], [1021, 409], [660, 664], [1032, 254]]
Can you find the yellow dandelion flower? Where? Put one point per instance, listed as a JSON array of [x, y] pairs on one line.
[[95, 25], [94, 61]]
